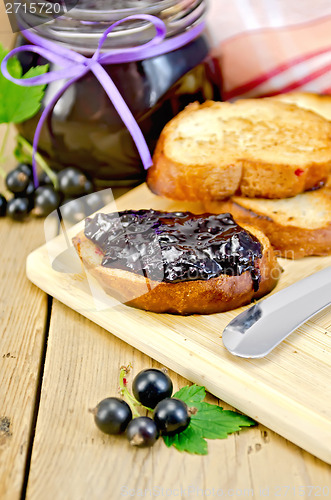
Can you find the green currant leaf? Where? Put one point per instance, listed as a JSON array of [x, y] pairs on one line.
[[190, 440], [13, 65], [17, 103], [216, 423], [191, 394], [209, 422]]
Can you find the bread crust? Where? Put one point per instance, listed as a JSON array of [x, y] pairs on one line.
[[174, 180], [188, 297], [319, 103], [279, 181], [288, 241], [215, 178]]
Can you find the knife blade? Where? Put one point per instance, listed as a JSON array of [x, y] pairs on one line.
[[258, 330]]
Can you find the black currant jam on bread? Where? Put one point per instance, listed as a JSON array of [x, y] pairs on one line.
[[177, 262]]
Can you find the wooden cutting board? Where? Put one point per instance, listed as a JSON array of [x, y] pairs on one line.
[[288, 390]]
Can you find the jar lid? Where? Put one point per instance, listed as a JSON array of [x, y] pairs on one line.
[[81, 27]]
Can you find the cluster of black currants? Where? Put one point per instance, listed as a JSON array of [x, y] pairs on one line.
[[40, 202], [152, 390]]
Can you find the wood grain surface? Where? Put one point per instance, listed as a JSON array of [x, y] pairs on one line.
[[284, 368], [23, 314], [23, 311], [71, 458]]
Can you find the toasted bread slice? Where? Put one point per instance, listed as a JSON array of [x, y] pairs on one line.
[[320, 104], [186, 297], [297, 227], [253, 147]]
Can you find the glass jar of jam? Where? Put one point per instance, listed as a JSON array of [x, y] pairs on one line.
[[84, 129]]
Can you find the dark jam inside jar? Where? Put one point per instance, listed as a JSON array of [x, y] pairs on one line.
[[86, 131], [175, 246]]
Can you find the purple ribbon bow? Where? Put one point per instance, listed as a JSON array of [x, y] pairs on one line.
[[74, 65]]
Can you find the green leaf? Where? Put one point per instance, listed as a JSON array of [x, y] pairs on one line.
[[189, 440], [210, 422], [13, 65], [191, 394], [216, 423], [17, 103]]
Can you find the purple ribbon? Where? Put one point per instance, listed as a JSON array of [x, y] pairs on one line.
[[74, 65]]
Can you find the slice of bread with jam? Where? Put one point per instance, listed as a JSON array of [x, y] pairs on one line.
[[177, 262]]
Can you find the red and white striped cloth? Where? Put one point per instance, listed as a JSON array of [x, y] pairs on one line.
[[266, 47]]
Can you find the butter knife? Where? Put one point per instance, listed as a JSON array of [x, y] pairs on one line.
[[258, 330]]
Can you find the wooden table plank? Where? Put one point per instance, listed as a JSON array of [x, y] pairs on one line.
[[23, 312], [71, 459]]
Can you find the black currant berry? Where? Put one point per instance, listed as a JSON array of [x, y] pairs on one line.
[[112, 415], [18, 208], [93, 202], [88, 187], [3, 205], [73, 211], [27, 169], [28, 191], [46, 199], [44, 180], [151, 386], [17, 181], [73, 182], [171, 416], [142, 432]]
